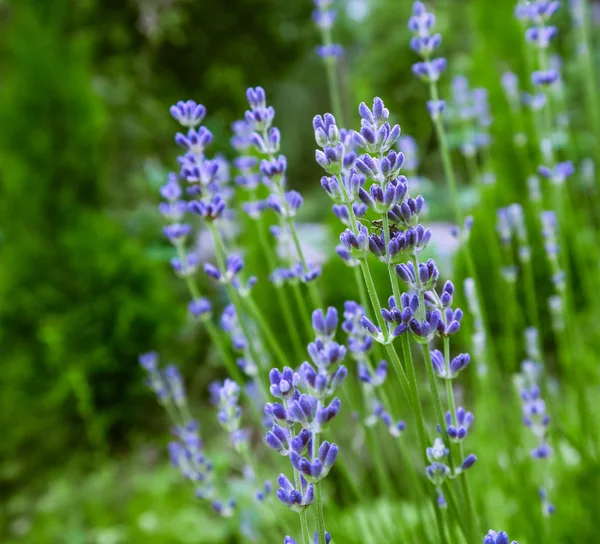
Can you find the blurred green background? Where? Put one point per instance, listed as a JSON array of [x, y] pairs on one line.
[[85, 141]]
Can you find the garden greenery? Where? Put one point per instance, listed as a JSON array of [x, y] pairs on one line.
[[413, 403]]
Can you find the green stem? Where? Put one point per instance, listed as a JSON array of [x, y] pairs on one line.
[[590, 76], [437, 400], [215, 337], [212, 331], [303, 309], [266, 329], [281, 295], [442, 522], [332, 80], [312, 288], [372, 290], [452, 408], [235, 299], [530, 293], [318, 498], [417, 408], [304, 527], [358, 279], [446, 160]]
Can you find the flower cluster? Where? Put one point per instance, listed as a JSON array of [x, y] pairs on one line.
[[424, 43], [187, 455], [324, 16], [186, 451], [470, 116], [549, 232], [260, 138], [230, 413], [497, 538], [204, 176], [231, 325], [535, 417], [310, 411], [438, 472], [360, 344], [538, 13]]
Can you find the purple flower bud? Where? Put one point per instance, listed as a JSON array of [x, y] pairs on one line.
[[149, 361], [201, 307], [468, 462]]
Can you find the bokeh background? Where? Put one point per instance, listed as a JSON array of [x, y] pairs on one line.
[[85, 286]]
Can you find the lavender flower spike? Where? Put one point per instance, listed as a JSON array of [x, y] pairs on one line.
[[497, 538], [296, 500]]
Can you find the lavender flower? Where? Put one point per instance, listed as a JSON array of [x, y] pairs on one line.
[[324, 17], [535, 418], [311, 412], [497, 538], [424, 44], [230, 413], [188, 114], [359, 341], [296, 500], [154, 380], [559, 173], [463, 419], [395, 428]]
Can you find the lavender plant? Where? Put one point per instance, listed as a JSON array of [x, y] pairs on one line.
[[420, 468], [312, 411]]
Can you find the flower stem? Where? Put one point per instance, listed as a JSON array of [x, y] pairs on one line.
[[318, 497], [452, 408], [236, 300], [312, 288], [212, 331], [281, 295], [445, 151], [332, 80], [264, 326]]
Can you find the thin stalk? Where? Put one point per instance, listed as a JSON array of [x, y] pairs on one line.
[[530, 293], [289, 221], [452, 407], [417, 408], [583, 31], [318, 498], [382, 475], [437, 399], [212, 331], [445, 151], [266, 329], [372, 290], [332, 80], [303, 309], [304, 527], [442, 522], [281, 294], [312, 288], [236, 301], [358, 279]]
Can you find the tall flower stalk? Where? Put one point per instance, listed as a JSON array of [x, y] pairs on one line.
[[430, 69], [266, 140], [324, 17], [248, 181], [311, 411]]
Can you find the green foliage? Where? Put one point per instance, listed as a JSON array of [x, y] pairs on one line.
[[85, 284], [79, 299]]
